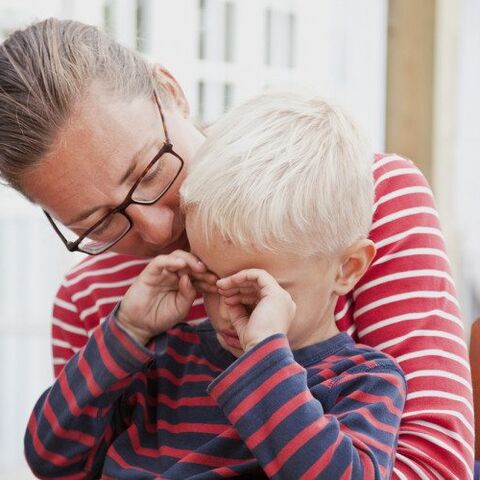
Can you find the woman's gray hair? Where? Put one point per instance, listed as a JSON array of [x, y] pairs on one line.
[[45, 70]]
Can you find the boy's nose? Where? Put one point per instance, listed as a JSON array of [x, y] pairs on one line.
[[223, 309]]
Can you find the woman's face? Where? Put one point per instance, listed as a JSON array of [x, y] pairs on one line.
[[96, 158]]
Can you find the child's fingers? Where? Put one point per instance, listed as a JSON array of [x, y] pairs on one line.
[[204, 287], [163, 268], [248, 290], [243, 299], [238, 316], [166, 261], [191, 260], [204, 282], [178, 260], [207, 277], [233, 281], [262, 280], [236, 281], [186, 288]]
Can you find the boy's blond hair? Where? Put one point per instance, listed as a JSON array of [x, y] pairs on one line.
[[286, 172]]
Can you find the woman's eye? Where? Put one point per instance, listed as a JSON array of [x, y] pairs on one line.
[[153, 172], [102, 227]]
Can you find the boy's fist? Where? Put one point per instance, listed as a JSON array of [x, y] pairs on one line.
[[161, 296], [258, 306]]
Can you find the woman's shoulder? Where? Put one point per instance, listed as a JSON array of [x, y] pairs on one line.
[[106, 267], [391, 171]]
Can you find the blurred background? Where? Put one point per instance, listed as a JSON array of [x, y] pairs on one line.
[[408, 70]]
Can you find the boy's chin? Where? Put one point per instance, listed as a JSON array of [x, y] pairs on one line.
[[235, 350]]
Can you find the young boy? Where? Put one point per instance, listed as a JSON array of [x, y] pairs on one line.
[[267, 387]]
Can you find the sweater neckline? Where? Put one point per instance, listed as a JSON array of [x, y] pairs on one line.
[[305, 356]]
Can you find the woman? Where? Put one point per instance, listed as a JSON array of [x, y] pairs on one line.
[[82, 131]]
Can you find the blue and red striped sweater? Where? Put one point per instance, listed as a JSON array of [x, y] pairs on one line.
[[184, 408]]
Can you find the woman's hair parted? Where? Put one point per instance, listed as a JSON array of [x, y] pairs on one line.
[[286, 172], [45, 70]]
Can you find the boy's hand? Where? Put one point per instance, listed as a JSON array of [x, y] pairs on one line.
[[161, 296], [273, 307]]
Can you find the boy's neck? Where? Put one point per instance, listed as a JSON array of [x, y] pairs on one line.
[[318, 324], [324, 332]]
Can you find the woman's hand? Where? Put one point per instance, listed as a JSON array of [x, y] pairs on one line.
[[161, 295], [258, 306]]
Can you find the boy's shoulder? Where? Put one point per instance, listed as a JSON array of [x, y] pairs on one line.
[[356, 372], [352, 358], [368, 357], [392, 172]]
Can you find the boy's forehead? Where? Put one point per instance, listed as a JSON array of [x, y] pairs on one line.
[[225, 258], [220, 255]]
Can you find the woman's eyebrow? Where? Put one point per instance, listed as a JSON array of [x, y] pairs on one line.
[[136, 158]]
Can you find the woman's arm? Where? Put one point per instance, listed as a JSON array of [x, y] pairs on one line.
[[406, 305]]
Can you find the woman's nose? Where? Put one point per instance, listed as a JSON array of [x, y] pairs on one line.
[[154, 223]]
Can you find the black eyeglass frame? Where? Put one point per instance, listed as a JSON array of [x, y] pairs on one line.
[[167, 147]]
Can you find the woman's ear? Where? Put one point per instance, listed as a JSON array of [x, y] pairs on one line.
[[355, 262], [169, 84]]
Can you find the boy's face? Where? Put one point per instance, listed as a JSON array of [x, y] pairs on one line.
[[308, 281]]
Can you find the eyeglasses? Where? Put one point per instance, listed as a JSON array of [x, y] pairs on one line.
[[151, 186]]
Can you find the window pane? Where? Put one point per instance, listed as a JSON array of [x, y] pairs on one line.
[[108, 7], [292, 25], [227, 96], [202, 27], [201, 100], [142, 33], [229, 32], [216, 30], [280, 38], [268, 36]]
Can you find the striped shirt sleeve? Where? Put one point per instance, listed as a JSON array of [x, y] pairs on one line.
[[74, 421], [406, 305], [86, 298], [68, 332], [265, 396]]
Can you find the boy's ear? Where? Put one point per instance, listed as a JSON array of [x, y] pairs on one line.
[[170, 85], [355, 262]]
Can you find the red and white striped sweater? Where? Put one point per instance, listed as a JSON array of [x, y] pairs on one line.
[[404, 305]]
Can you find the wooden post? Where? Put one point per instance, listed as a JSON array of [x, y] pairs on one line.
[[410, 75]]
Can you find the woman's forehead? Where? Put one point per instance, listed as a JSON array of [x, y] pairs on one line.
[[90, 155]]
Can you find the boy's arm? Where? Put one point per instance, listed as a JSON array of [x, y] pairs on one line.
[[265, 396], [75, 421], [406, 306]]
